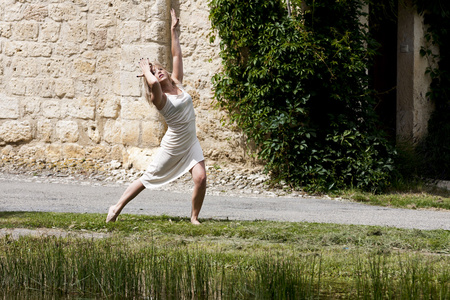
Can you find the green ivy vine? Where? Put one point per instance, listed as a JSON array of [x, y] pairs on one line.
[[434, 151], [299, 89]]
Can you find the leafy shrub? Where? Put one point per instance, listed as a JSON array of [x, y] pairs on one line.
[[298, 87]]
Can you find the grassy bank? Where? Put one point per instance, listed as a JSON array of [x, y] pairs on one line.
[[413, 196], [168, 258]]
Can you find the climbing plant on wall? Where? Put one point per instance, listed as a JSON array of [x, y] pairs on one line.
[[298, 87], [435, 149]]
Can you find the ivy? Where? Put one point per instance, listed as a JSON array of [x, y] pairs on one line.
[[435, 149], [299, 89]]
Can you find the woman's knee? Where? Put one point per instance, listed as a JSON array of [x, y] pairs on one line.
[[200, 179]]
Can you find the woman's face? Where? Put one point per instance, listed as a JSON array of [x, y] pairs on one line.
[[160, 72]]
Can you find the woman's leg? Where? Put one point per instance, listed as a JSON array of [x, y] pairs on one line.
[[132, 191], [199, 176]]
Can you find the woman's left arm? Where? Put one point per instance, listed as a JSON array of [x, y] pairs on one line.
[[177, 57]]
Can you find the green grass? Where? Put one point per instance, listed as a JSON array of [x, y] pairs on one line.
[[248, 235], [412, 196], [168, 258]]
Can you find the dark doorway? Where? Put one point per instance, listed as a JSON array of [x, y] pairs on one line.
[[383, 22]]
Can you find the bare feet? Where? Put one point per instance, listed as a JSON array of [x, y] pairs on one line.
[[112, 215], [195, 221]]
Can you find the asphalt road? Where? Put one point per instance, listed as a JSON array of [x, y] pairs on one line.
[[77, 198]]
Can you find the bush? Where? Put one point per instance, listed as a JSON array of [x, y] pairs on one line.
[[298, 87]]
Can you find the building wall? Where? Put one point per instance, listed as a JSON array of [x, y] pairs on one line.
[[413, 106], [68, 85]]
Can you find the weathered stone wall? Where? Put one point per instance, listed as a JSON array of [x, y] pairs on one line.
[[413, 106], [68, 85]]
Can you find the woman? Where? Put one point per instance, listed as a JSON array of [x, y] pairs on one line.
[[180, 149]]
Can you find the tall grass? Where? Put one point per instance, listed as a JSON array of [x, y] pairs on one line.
[[88, 268], [112, 268]]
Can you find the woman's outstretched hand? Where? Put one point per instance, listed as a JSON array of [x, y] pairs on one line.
[[175, 20], [146, 66]]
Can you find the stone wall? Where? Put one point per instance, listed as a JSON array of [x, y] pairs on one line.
[[68, 85]]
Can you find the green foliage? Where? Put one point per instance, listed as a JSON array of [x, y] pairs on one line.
[[298, 87], [435, 149]]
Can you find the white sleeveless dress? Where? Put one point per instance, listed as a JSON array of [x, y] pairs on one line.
[[180, 149]]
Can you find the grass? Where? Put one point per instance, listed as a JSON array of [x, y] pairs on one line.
[[168, 258], [417, 195]]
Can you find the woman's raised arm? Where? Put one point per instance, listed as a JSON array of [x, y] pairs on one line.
[[157, 97], [177, 57]]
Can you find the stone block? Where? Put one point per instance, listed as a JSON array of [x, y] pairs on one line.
[[104, 84], [81, 3], [16, 48], [129, 32], [14, 12], [112, 132], [98, 38], [66, 49], [132, 53], [97, 151], [131, 10], [129, 84], [5, 30], [130, 133], [45, 130], [49, 32], [100, 6], [56, 67], [64, 88], [104, 22], [51, 109], [108, 62], [53, 152], [116, 153], [82, 66], [92, 131], [9, 107], [34, 152], [90, 55], [141, 158], [152, 133], [135, 109], [81, 108], [63, 12], [25, 67], [8, 150], [42, 87], [109, 106], [160, 9], [17, 86], [67, 131], [83, 86], [35, 12], [39, 49], [74, 31], [31, 106], [72, 150], [157, 31], [25, 31], [16, 131]]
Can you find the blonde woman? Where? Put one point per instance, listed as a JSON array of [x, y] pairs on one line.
[[180, 150]]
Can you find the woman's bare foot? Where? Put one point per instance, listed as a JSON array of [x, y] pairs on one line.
[[112, 215], [195, 221]]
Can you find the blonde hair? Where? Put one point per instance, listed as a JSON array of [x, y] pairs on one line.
[[148, 92]]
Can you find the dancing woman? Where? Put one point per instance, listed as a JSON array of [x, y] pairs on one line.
[[180, 149]]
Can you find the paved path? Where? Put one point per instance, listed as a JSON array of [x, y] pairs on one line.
[[57, 197]]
